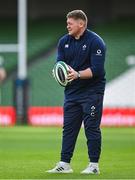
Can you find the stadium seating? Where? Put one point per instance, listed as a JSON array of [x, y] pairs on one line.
[[120, 41], [42, 35]]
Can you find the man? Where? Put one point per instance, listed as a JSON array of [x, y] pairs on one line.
[[2, 74], [2, 70], [84, 52]]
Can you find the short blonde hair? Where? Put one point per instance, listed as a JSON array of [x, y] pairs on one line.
[[78, 14]]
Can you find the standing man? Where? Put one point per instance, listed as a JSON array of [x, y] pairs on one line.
[[2, 70], [2, 76], [84, 51]]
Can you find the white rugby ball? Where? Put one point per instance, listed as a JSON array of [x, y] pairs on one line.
[[60, 73]]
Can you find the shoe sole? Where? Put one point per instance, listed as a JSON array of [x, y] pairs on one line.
[[60, 172], [91, 173]]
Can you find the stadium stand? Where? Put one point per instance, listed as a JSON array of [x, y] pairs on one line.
[[42, 35], [120, 41]]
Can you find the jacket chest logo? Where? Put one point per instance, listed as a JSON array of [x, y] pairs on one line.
[[84, 47], [66, 45]]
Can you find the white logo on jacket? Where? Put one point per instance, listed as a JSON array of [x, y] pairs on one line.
[[99, 52], [84, 47], [66, 45]]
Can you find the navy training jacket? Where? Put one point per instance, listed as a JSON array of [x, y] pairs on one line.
[[87, 51]]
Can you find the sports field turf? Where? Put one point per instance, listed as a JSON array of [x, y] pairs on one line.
[[27, 152]]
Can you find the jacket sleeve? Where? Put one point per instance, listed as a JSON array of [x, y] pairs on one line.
[[98, 51], [60, 51]]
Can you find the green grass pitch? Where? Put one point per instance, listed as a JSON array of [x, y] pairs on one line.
[[27, 152]]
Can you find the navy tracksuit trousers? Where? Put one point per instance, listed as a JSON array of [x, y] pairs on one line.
[[89, 111]]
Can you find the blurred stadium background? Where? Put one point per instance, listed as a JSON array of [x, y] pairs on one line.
[[27, 151], [113, 20]]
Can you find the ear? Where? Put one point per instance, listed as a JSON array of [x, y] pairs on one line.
[[81, 23]]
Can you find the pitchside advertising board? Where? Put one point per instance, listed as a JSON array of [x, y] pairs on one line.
[[7, 116], [53, 116]]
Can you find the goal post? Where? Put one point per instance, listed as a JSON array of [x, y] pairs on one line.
[[22, 39], [21, 82]]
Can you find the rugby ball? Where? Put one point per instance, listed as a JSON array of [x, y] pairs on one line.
[[60, 73]]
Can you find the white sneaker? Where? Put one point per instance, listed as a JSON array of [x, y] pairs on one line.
[[91, 169], [61, 167]]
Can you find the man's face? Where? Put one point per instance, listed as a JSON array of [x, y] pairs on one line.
[[74, 26]]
